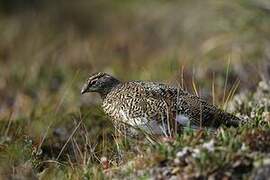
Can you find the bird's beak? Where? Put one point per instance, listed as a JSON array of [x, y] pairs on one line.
[[84, 89]]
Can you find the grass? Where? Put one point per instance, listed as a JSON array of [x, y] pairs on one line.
[[49, 131]]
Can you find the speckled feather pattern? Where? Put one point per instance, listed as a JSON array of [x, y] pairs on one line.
[[150, 106]]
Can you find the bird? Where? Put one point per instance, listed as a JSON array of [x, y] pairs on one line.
[[154, 108]]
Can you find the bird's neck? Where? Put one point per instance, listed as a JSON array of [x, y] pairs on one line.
[[105, 91]]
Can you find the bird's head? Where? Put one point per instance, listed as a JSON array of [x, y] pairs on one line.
[[101, 83]]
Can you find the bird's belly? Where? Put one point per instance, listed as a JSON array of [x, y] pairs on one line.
[[143, 123]]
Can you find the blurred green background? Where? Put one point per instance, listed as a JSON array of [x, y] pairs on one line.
[[48, 48]]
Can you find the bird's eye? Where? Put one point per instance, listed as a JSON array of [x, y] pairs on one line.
[[93, 82]]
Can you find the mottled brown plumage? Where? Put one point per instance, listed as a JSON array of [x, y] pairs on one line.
[[153, 107]]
